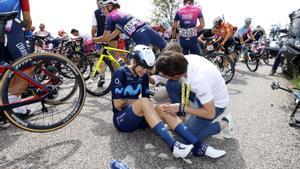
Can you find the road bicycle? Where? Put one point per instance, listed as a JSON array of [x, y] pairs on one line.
[[223, 62], [295, 115], [103, 66], [250, 58], [53, 99]]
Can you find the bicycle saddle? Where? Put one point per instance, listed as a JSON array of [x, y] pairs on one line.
[[4, 17]]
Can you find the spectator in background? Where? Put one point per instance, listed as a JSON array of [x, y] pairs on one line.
[[62, 34], [258, 32], [42, 31], [75, 32], [32, 29]]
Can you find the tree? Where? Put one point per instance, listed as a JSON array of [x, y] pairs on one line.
[[164, 9]]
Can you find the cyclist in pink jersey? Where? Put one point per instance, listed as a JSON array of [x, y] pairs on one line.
[[187, 16]]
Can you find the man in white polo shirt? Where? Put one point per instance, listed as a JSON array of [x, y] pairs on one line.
[[203, 85]]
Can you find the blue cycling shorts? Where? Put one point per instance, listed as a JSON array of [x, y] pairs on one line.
[[16, 43], [127, 121], [147, 36], [190, 45]]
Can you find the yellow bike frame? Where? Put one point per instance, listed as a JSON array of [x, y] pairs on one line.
[[106, 54]]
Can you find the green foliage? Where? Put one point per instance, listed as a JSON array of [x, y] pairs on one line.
[[164, 9]]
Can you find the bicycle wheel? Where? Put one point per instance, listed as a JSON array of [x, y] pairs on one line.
[[100, 83], [267, 58], [53, 80], [252, 61], [44, 117], [225, 65], [79, 60]]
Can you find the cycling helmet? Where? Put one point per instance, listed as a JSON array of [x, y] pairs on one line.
[[217, 21], [143, 56], [165, 24], [248, 20], [106, 2]]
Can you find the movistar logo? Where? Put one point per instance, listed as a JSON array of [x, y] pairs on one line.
[[129, 90]]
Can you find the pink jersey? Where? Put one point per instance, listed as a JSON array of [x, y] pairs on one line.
[[188, 16]]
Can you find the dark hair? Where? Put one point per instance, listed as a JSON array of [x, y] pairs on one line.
[[116, 6], [171, 63], [173, 46], [74, 31], [186, 1]]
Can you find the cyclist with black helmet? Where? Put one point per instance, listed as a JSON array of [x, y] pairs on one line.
[[132, 112], [187, 17], [133, 27]]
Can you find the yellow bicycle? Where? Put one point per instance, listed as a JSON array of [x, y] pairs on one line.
[[103, 65]]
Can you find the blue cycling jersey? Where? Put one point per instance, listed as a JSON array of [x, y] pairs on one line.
[[125, 85], [7, 6]]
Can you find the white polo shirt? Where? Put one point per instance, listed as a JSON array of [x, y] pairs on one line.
[[206, 81]]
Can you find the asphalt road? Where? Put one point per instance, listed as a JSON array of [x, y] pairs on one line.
[[263, 138]]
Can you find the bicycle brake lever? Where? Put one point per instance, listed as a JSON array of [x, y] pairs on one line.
[[275, 85]]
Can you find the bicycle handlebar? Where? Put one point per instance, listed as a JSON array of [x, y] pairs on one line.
[[275, 85]]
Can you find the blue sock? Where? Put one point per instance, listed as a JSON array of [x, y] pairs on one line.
[[163, 133], [184, 132]]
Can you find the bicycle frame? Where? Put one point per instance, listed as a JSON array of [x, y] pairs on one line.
[[31, 82], [294, 122], [106, 54]]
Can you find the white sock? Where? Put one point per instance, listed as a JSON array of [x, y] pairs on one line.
[[15, 98], [214, 153]]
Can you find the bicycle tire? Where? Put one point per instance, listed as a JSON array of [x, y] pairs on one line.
[[78, 59], [57, 85], [217, 59], [267, 60], [92, 85], [252, 61], [35, 123]]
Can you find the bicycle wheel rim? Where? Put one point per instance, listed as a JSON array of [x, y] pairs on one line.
[[252, 62], [92, 84], [46, 122]]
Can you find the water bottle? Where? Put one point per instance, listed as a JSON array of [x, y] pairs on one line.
[[116, 164]]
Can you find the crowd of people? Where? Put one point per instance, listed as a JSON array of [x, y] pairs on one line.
[[197, 93]]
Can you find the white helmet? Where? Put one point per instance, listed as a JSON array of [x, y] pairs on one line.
[[106, 2], [143, 56], [248, 19], [217, 21], [165, 24]]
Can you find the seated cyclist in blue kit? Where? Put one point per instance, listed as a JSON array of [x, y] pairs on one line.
[[136, 29], [132, 112]]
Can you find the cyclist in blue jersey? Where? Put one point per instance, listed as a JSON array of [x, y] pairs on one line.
[[244, 34], [132, 112], [187, 16], [136, 29], [16, 45]]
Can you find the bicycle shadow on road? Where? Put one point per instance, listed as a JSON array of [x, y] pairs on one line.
[[239, 79], [8, 137], [44, 157], [253, 74], [234, 91]]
